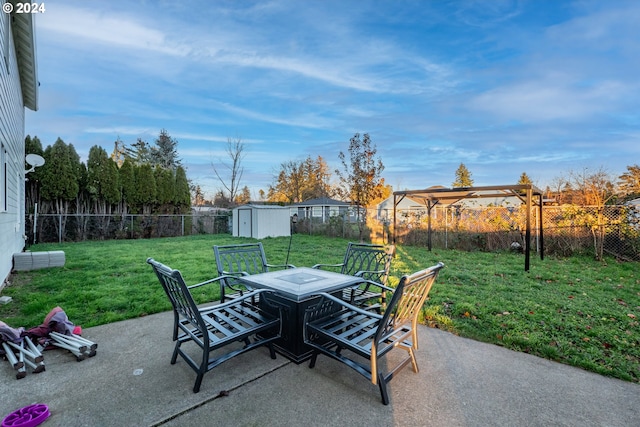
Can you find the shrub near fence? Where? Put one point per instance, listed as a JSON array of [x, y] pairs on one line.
[[66, 228]]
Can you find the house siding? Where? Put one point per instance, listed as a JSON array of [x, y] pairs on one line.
[[12, 141]]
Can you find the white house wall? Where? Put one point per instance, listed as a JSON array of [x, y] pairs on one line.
[[12, 144]]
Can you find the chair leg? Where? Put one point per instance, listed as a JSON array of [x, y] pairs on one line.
[[175, 353], [312, 361], [196, 387], [414, 362], [272, 351], [382, 384]]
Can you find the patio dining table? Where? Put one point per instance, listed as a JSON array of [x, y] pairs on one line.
[[295, 289]]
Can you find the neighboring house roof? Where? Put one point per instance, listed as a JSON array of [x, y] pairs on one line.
[[322, 201], [25, 41], [247, 206]]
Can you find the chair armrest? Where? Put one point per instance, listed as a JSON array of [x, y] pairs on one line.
[[238, 300], [317, 266], [361, 272], [342, 303], [206, 282], [234, 274], [376, 284], [285, 266]]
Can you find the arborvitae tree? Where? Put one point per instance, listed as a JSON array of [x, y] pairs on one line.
[[34, 178], [60, 178], [128, 185], [103, 180], [165, 189], [463, 177], [182, 199], [146, 188]]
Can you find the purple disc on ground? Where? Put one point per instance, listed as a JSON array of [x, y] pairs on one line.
[[29, 416]]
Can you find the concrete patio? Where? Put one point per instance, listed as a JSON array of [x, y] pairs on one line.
[[461, 383]]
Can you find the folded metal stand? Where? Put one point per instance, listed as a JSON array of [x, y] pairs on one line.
[[23, 355], [78, 346]]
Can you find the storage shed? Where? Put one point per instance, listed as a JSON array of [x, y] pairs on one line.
[[260, 221]]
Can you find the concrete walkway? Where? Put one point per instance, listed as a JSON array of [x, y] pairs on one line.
[[461, 383]]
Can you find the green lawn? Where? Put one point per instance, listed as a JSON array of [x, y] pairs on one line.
[[574, 310]]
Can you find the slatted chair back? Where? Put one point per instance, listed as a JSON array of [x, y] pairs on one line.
[[372, 260], [333, 325], [214, 327], [238, 260], [181, 300]]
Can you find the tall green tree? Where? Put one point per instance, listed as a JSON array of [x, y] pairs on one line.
[[34, 178], [182, 198], [244, 197], [524, 179], [165, 189], [316, 173], [298, 181], [629, 182], [128, 185], [139, 152], [463, 177], [103, 181], [145, 188], [165, 152], [360, 178], [60, 178]]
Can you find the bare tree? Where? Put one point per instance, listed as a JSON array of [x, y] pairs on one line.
[[231, 176]]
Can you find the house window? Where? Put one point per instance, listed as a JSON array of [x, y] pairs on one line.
[[316, 211], [3, 178], [334, 211]]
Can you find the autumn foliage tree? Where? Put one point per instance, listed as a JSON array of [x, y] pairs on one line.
[[360, 179]]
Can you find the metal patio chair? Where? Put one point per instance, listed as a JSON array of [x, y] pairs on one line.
[[350, 334], [212, 328], [240, 260], [372, 263]]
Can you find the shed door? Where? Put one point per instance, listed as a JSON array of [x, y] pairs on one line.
[[244, 222]]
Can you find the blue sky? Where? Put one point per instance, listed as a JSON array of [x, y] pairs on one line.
[[505, 87]]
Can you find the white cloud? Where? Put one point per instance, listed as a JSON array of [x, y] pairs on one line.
[[84, 25]]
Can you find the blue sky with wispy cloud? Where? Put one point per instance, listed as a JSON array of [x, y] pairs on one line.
[[503, 86]]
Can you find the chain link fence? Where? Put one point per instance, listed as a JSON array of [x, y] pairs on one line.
[[566, 229], [78, 227]]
